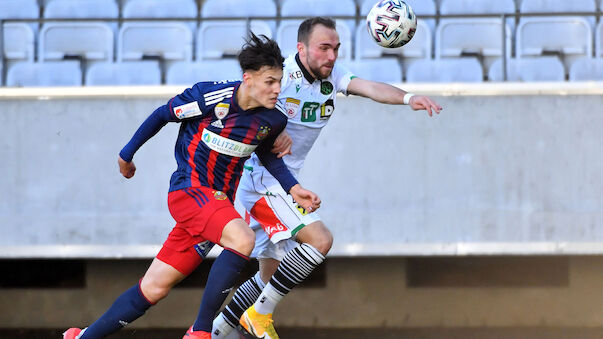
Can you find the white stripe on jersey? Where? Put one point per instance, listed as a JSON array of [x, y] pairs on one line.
[[218, 99], [218, 92], [280, 107]]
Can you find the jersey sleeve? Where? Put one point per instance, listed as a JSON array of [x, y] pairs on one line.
[[181, 107], [276, 166], [342, 77]]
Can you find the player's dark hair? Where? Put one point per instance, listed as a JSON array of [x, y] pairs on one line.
[[260, 51], [306, 27]]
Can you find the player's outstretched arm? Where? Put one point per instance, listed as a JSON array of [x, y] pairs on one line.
[[127, 169], [388, 94], [305, 198]]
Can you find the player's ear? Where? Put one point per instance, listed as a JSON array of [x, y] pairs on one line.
[[247, 77], [301, 48]]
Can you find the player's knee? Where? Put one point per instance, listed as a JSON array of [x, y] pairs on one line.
[[245, 241], [153, 291], [324, 241]]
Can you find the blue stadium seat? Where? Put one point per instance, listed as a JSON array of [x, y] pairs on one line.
[[170, 41], [599, 40], [81, 9], [445, 70], [547, 68], [569, 37], [124, 73], [286, 37], [240, 9], [59, 73], [479, 7], [385, 69], [189, 73], [320, 8], [18, 42], [556, 6], [420, 7], [587, 69], [20, 9], [475, 36], [218, 38], [88, 40], [162, 9], [419, 47]]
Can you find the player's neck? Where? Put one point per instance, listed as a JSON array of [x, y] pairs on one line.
[[244, 100]]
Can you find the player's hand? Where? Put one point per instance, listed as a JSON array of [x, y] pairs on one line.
[[308, 200], [127, 169], [419, 102], [282, 144]]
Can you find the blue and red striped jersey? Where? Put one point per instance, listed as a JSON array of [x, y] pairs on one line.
[[216, 137]]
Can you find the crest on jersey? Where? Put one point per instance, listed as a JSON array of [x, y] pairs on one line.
[[291, 107], [221, 110], [219, 195], [263, 132], [326, 88]]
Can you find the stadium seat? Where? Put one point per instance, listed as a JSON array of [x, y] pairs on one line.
[[162, 9], [240, 9], [476, 36], [587, 69], [88, 40], [81, 9], [547, 68], [171, 41], [326, 8], [218, 38], [20, 9], [18, 42], [419, 47], [556, 6], [286, 37], [385, 69], [599, 40], [59, 73], [570, 37], [479, 7], [189, 73], [445, 70], [420, 7], [124, 73]]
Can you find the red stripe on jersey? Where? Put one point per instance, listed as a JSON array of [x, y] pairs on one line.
[[192, 149], [251, 133]]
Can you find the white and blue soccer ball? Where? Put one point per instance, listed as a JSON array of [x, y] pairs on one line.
[[392, 23]]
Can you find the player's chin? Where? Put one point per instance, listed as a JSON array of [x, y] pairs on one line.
[[271, 103]]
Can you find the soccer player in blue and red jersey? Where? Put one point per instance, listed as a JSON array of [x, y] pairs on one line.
[[222, 123]]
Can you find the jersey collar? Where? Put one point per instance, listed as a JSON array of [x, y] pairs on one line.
[[305, 72]]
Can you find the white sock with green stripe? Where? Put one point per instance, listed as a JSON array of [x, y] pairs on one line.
[[295, 268]]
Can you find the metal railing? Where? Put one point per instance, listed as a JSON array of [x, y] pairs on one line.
[[357, 18]]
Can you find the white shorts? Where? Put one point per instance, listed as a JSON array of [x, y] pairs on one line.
[[275, 216]]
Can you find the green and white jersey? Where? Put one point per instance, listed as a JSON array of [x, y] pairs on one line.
[[308, 103]]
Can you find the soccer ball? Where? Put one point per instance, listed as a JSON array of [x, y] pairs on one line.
[[392, 23]]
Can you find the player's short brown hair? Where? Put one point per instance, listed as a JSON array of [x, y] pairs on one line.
[[260, 51], [306, 27]]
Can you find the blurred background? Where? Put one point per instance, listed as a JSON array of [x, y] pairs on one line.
[[483, 222]]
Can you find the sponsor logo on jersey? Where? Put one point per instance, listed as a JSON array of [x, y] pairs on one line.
[[219, 195], [226, 146], [297, 87], [203, 248], [217, 124], [263, 132], [326, 88], [291, 107], [295, 75], [301, 209], [273, 229], [187, 110], [326, 110], [221, 110]]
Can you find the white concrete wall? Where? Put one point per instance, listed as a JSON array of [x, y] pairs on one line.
[[504, 169]]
